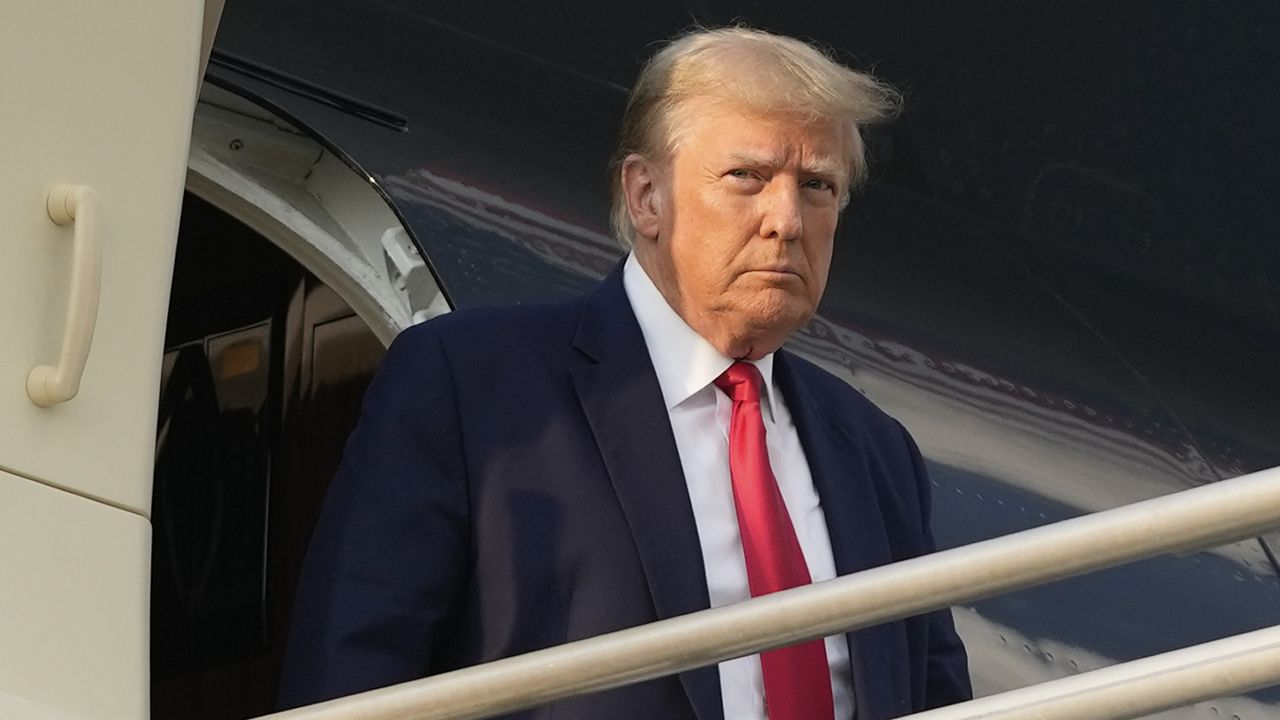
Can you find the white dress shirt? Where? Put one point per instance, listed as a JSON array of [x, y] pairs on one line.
[[687, 365]]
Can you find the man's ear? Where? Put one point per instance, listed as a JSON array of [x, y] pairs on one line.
[[640, 187]]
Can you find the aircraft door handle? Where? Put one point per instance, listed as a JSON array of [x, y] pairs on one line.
[[75, 205]]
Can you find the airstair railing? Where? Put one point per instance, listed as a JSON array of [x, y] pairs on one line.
[[1201, 517], [1138, 688]]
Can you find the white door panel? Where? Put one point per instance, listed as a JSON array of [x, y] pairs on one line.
[[73, 604], [96, 94]]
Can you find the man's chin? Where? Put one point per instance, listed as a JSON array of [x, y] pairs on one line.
[[777, 312], [765, 333]]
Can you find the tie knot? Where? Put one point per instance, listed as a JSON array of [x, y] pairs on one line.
[[741, 382]]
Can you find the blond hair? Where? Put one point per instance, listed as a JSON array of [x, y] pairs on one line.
[[753, 70]]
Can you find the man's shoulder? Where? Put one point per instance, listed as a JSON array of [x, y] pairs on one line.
[[846, 406], [834, 393]]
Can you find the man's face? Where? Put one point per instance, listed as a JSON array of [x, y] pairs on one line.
[[747, 211]]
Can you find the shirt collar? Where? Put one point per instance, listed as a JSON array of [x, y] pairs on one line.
[[683, 360]]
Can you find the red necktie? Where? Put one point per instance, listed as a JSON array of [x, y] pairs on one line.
[[797, 683]]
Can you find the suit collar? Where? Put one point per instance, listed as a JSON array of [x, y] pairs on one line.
[[620, 396], [838, 462]]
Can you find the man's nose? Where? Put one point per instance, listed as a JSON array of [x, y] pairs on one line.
[[781, 217]]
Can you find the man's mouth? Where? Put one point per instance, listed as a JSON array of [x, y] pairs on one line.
[[776, 271]]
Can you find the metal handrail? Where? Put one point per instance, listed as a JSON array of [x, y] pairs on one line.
[[1134, 689], [1200, 517]]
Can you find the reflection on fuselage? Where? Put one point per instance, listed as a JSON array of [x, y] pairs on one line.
[[505, 226], [1008, 659], [1048, 446], [1018, 434]]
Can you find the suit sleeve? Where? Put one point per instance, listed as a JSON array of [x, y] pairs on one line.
[[947, 666], [387, 562]]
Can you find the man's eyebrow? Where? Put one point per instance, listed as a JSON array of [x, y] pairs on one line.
[[754, 159], [823, 165]]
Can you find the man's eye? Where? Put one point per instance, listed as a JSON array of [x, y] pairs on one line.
[[818, 184], [740, 173]]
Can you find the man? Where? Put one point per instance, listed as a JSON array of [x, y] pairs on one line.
[[524, 477]]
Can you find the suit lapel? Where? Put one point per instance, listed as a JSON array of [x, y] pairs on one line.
[[622, 401], [854, 524]]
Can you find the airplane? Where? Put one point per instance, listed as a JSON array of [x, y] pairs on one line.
[[1057, 278]]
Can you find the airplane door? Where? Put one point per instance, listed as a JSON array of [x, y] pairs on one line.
[[96, 103]]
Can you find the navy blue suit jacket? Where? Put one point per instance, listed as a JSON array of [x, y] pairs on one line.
[[514, 484]]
